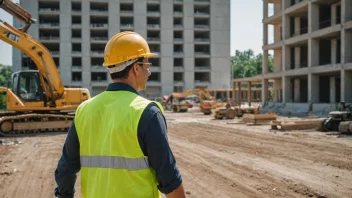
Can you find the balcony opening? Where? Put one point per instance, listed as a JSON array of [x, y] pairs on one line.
[[178, 22], [324, 16], [49, 34], [324, 51], [154, 48], [153, 22], [97, 48], [178, 63], [298, 89], [153, 35], [201, 23], [76, 34], [76, 47], [201, 36], [101, 35], [178, 77], [202, 49], [154, 77], [96, 61], [153, 8], [201, 63], [126, 21], [155, 62], [77, 62], [51, 19], [329, 86], [178, 48], [303, 25], [201, 77], [98, 76], [178, 35], [338, 50], [99, 21], [201, 9], [292, 57], [76, 76], [76, 20], [304, 56], [126, 7], [338, 14], [99, 6], [178, 9], [53, 48], [76, 6], [49, 5]]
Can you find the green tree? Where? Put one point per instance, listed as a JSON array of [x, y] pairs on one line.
[[247, 64], [5, 75]]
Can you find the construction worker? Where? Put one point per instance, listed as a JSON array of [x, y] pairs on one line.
[[118, 139]]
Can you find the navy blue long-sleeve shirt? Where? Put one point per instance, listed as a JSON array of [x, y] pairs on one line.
[[152, 138]]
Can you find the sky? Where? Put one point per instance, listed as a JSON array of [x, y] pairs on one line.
[[246, 28]]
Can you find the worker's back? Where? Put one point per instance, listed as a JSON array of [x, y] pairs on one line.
[[112, 162]]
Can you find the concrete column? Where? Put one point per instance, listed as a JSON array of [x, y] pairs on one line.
[[228, 96], [313, 88], [333, 51], [286, 58], [297, 90], [297, 26], [332, 90], [265, 90], [277, 88], [249, 93], [286, 85], [239, 94], [313, 19], [265, 62], [346, 81], [286, 27], [233, 93], [265, 26], [297, 57], [313, 52]]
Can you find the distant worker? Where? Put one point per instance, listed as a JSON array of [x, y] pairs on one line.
[[118, 139]]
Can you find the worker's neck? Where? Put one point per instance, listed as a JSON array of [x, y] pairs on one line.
[[127, 81]]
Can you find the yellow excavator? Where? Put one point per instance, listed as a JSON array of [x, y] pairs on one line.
[[36, 100]]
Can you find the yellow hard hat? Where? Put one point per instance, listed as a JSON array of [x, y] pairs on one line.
[[123, 47]]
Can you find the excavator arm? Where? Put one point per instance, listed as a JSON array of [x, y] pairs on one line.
[[31, 47], [17, 11]]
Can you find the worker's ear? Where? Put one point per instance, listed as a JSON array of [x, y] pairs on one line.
[[135, 69]]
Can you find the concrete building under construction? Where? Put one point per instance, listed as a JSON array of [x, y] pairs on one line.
[[190, 37], [311, 45]]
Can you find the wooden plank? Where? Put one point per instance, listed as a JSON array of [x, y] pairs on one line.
[[259, 118]]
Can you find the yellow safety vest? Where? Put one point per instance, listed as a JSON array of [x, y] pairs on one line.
[[112, 162]]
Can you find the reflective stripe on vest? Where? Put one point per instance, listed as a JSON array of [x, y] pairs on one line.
[[114, 162]]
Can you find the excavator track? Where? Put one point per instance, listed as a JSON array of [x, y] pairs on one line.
[[33, 124]]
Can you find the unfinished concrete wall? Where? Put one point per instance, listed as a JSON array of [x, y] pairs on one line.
[[348, 46], [313, 91], [346, 82]]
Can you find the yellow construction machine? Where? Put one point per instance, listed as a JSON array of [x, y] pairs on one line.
[[206, 102], [176, 102], [36, 100]]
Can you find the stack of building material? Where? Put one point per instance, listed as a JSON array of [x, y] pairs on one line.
[[259, 118], [345, 127], [297, 124]]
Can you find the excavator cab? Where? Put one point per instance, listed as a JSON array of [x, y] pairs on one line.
[[27, 86]]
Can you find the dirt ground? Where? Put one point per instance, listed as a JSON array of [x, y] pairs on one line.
[[216, 159]]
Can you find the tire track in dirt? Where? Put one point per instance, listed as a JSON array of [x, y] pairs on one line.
[[286, 171]]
